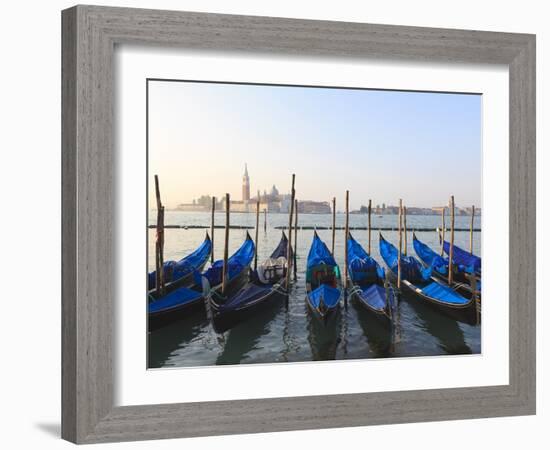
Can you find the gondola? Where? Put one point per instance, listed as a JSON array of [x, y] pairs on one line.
[[440, 268], [464, 258], [188, 299], [323, 282], [368, 287], [419, 283], [180, 273], [265, 288]]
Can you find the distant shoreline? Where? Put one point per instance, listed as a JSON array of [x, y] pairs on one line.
[[309, 227], [354, 213]]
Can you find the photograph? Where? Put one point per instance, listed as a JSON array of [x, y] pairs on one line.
[[290, 224]]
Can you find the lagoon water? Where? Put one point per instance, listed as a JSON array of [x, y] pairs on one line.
[[285, 335]]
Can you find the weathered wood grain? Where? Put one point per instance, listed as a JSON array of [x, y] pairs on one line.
[[88, 200]]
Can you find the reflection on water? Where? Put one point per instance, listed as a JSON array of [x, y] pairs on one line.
[[379, 338], [174, 337], [246, 337], [324, 340], [290, 334], [445, 329]]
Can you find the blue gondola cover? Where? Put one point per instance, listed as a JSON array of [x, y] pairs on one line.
[[439, 263], [319, 254], [174, 270], [375, 296], [362, 267], [472, 263], [431, 258], [444, 294], [178, 297], [236, 263], [328, 294], [411, 268]]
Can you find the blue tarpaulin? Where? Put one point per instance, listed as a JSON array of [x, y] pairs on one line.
[[236, 263], [328, 294], [178, 297], [411, 268], [174, 270], [444, 294], [431, 258], [471, 262], [436, 261], [362, 267], [374, 295], [319, 254]]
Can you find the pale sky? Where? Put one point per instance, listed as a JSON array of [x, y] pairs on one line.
[[383, 145]]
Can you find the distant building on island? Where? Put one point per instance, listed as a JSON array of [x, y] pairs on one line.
[[246, 185], [273, 202], [203, 203], [311, 207], [193, 207], [416, 211], [246, 204], [459, 211]]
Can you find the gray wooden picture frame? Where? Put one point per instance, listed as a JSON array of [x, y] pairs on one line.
[[90, 34]]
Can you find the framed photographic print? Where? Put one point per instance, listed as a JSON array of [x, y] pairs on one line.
[[248, 200]]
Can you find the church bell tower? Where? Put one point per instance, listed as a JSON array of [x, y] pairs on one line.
[[246, 185]]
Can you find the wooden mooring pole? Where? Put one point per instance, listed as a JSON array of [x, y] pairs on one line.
[[226, 244], [295, 239], [400, 245], [452, 240], [442, 235], [265, 220], [405, 245], [289, 247], [472, 230], [256, 235], [333, 224], [159, 244], [369, 223], [161, 252], [346, 237], [212, 229]]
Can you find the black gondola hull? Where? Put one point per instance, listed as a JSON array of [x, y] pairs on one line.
[[219, 308], [170, 315], [224, 320], [326, 317], [466, 312], [235, 283]]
